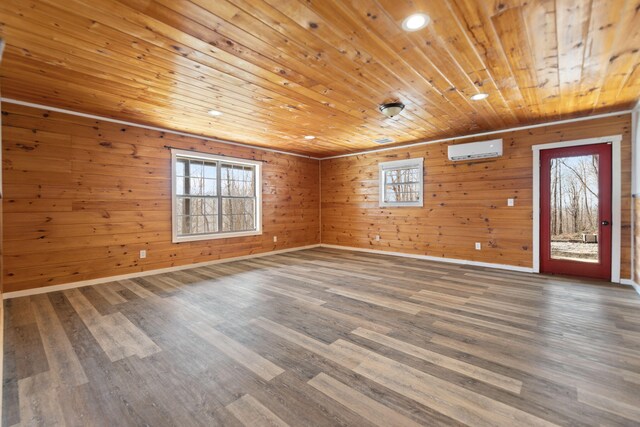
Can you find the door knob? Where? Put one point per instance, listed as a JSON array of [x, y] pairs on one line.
[[605, 223]]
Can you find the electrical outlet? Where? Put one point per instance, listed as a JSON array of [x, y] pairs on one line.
[[143, 253], [275, 239], [478, 246], [377, 237], [511, 202]]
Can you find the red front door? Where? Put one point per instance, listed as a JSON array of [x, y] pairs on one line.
[[575, 211]]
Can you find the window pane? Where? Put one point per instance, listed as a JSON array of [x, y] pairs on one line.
[[180, 167], [180, 205], [196, 168], [195, 186], [203, 206], [574, 208], [235, 188], [237, 181], [211, 207], [390, 176], [180, 190], [184, 225], [232, 206], [238, 214], [225, 177], [390, 196], [210, 170], [248, 174], [399, 176], [211, 223], [210, 187]]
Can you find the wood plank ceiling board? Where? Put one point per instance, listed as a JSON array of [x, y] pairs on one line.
[[279, 70]]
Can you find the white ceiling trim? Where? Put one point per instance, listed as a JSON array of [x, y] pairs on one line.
[[477, 135], [154, 128], [271, 150]]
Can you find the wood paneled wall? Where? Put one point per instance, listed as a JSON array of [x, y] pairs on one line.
[[83, 197], [464, 202]]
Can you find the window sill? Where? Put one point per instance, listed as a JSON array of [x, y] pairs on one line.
[[182, 239]]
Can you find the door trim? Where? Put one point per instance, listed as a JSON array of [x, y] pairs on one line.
[[616, 196]]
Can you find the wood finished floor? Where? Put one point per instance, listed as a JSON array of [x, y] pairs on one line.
[[326, 337]]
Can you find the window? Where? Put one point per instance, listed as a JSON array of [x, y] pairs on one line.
[[214, 197], [401, 182]]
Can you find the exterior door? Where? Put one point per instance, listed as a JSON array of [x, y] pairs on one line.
[[575, 216]]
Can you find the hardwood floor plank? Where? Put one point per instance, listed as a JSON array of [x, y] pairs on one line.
[[117, 336], [63, 361], [449, 399], [39, 404], [362, 405], [137, 289], [404, 306], [109, 292], [325, 350], [239, 353], [467, 369], [628, 410], [295, 295], [253, 413]]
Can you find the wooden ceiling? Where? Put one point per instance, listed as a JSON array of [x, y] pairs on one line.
[[283, 69]]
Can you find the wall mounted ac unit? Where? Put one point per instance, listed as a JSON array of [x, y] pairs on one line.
[[476, 150]]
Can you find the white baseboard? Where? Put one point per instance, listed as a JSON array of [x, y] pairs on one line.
[[79, 284], [82, 283], [631, 283], [434, 258], [456, 261]]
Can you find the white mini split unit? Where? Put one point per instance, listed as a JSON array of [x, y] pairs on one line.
[[476, 150]]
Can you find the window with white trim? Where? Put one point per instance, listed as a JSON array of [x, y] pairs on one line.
[[401, 182], [214, 197]]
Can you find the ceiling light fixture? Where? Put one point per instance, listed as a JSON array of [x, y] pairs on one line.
[[479, 96], [391, 109], [214, 113], [415, 22], [309, 137]]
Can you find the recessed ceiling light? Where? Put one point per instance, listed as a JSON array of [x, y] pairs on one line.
[[415, 22], [309, 137], [479, 96], [214, 113]]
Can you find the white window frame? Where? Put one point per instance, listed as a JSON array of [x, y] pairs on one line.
[[400, 164], [224, 159]]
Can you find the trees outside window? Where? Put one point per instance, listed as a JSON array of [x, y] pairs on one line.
[[214, 196]]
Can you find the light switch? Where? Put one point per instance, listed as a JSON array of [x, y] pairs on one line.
[[511, 202]]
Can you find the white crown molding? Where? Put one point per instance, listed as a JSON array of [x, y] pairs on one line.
[[271, 150], [154, 128], [477, 135], [91, 282]]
